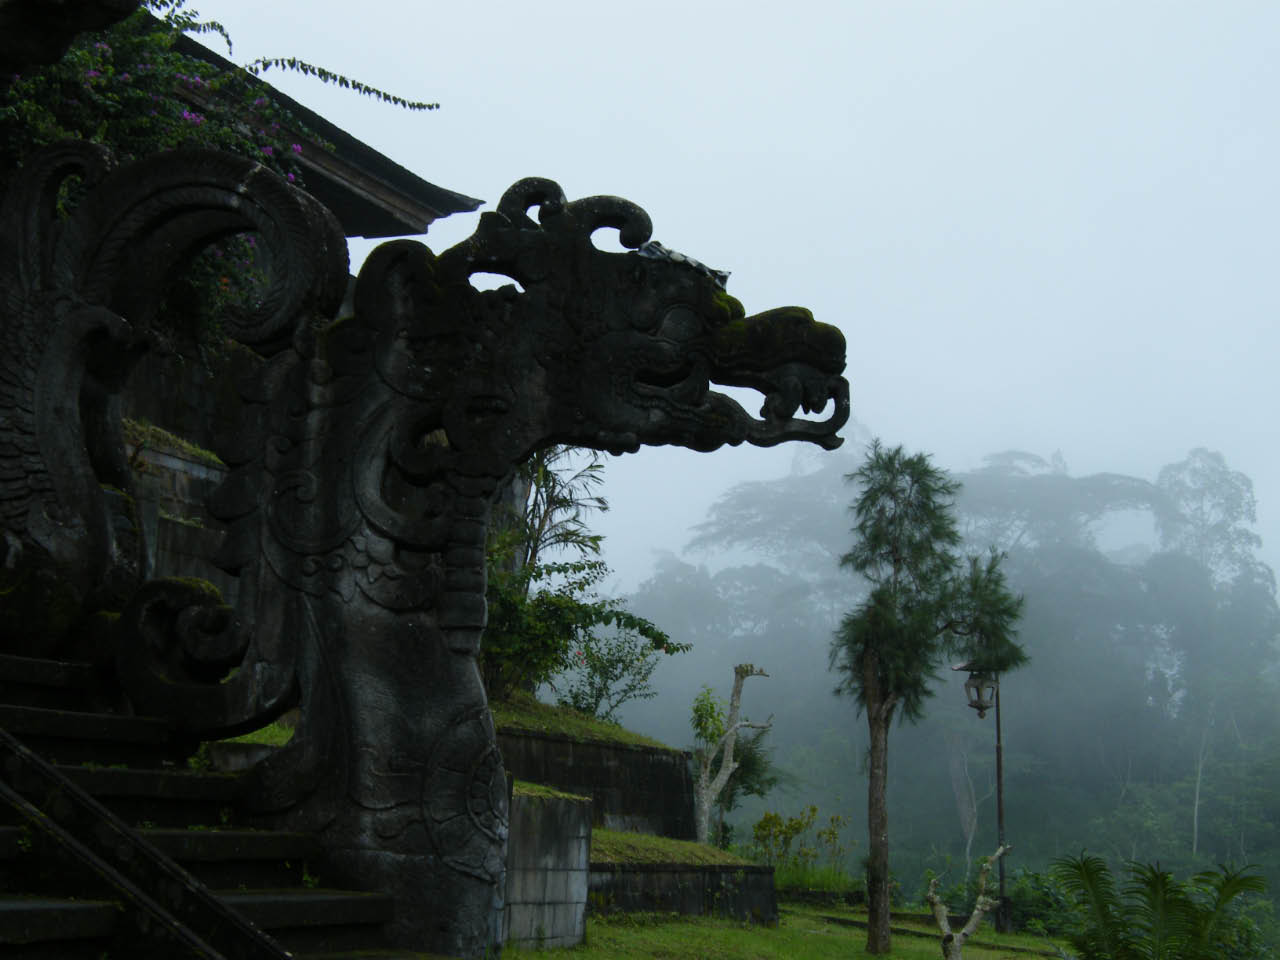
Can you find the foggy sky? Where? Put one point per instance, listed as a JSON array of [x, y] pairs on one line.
[[1040, 225]]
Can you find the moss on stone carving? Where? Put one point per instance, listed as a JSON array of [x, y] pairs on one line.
[[539, 791], [142, 434], [195, 522], [273, 735], [730, 304], [200, 585]]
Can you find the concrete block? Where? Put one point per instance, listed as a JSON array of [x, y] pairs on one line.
[[556, 886], [563, 918], [526, 886], [576, 884], [521, 919]]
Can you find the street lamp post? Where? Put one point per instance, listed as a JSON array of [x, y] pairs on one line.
[[1002, 912], [983, 691]]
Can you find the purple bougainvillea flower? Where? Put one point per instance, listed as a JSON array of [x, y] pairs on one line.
[[297, 148], [268, 151]]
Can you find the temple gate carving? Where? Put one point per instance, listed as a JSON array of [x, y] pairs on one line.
[[360, 484]]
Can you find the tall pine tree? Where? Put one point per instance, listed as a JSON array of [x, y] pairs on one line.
[[924, 603]]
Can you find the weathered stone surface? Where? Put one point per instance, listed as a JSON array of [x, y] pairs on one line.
[[361, 479], [547, 865], [641, 789]]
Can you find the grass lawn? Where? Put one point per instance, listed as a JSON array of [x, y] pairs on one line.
[[801, 934]]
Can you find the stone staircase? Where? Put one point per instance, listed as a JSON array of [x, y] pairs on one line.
[[111, 847]]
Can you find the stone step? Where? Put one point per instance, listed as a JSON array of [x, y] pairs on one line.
[[160, 798], [11, 839], [71, 736], [133, 766], [304, 921], [50, 922], [217, 858], [233, 858], [315, 921], [58, 684], [50, 927], [55, 674]]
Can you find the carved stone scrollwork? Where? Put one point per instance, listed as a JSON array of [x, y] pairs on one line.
[[464, 797], [177, 643]]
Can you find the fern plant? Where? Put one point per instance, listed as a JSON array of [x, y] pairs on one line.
[[1154, 916]]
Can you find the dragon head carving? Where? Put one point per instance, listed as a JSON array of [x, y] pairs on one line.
[[599, 349]]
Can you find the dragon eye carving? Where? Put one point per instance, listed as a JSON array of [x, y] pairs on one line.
[[680, 324]]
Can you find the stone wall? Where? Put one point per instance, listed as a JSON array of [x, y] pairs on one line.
[[191, 395], [547, 856], [181, 537], [641, 789], [742, 893]]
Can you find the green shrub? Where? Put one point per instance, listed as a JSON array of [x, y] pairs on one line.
[[785, 845], [1155, 915]]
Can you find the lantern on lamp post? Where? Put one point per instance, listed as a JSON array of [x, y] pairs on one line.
[[983, 690]]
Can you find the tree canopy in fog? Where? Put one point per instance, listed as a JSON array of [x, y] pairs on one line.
[[1145, 726]]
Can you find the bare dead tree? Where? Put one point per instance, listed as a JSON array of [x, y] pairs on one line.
[[953, 943], [720, 741]]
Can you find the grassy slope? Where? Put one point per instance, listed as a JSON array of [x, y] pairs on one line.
[[523, 712], [613, 846]]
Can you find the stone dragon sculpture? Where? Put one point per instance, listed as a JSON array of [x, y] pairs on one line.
[[360, 485]]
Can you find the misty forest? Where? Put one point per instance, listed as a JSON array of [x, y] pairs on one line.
[[1142, 729]]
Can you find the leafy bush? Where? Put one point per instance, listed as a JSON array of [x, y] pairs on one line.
[[1039, 902], [1042, 903], [609, 669], [546, 619], [785, 845], [774, 837]]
